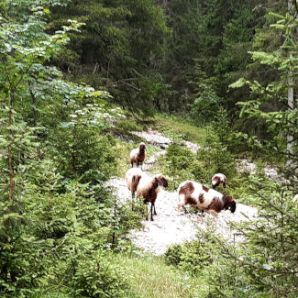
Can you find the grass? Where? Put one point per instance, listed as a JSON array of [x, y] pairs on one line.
[[150, 277], [48, 293], [178, 128]]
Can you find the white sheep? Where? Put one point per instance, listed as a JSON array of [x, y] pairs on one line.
[[132, 178], [137, 156], [203, 198], [217, 179]]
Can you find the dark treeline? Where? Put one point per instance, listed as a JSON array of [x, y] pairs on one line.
[[165, 54]]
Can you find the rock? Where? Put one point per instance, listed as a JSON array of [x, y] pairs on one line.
[[271, 172], [192, 146], [245, 166], [153, 137]]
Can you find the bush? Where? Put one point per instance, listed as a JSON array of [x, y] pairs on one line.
[[97, 277], [216, 158], [129, 125], [193, 256], [206, 105], [178, 161], [84, 154], [181, 164]]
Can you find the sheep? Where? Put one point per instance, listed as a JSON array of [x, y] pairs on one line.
[[132, 178], [148, 188], [145, 186], [217, 179], [137, 156], [203, 198]]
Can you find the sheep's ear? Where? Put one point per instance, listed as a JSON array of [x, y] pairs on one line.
[[162, 181], [165, 182], [233, 206]]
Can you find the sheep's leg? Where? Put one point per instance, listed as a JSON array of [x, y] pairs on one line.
[[151, 211], [132, 200], [181, 204], [224, 185], [145, 209], [154, 209]]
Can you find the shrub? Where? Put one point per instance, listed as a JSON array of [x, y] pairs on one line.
[[193, 256], [97, 277], [215, 157], [178, 161]]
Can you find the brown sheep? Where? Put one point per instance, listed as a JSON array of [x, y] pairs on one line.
[[137, 156], [145, 186]]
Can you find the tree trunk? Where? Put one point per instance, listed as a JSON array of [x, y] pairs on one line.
[[291, 102]]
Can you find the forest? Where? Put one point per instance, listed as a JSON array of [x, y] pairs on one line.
[[209, 86]]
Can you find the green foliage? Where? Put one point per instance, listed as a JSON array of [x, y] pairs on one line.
[[97, 276], [179, 128], [129, 125], [205, 106], [120, 47], [181, 164], [192, 256], [216, 158], [149, 276], [55, 214], [269, 262], [268, 104], [207, 103], [178, 161]]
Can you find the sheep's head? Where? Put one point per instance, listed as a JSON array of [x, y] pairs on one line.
[[142, 146], [161, 181], [215, 182], [230, 203]]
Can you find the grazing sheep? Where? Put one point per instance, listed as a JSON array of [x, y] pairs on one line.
[[133, 177], [203, 198], [147, 188], [137, 156], [217, 179]]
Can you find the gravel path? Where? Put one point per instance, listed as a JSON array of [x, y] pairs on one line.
[[170, 226]]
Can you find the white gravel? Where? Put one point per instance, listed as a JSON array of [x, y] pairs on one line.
[[194, 148], [153, 137]]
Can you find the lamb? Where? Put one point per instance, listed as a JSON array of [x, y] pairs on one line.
[[137, 156], [217, 179], [203, 198], [148, 188], [133, 177]]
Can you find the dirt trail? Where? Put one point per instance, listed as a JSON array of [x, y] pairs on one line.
[[170, 226]]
